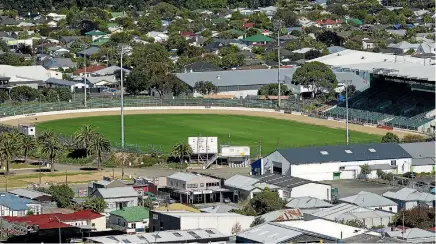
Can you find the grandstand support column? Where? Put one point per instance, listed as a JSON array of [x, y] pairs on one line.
[[347, 83]]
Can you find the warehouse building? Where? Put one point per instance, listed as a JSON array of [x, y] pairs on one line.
[[423, 156], [226, 223], [372, 201], [244, 187], [333, 162]]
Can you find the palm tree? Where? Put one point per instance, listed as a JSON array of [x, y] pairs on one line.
[[10, 143], [98, 145], [84, 137], [181, 150], [28, 144], [50, 146]]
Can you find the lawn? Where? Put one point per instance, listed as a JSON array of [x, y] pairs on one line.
[[164, 130]]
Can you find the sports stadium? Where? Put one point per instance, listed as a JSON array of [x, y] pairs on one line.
[[400, 98]]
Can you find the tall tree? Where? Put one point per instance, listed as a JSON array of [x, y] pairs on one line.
[[84, 137], [50, 146], [99, 145], [181, 150], [316, 75], [205, 87], [10, 144], [28, 144], [96, 204]]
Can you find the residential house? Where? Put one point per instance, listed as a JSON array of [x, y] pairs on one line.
[[95, 34], [420, 12], [9, 22], [116, 15], [194, 188], [426, 48], [102, 81], [58, 63], [158, 36], [69, 39], [328, 23], [368, 43], [352, 21], [245, 187], [106, 182], [372, 201], [13, 205], [87, 72], [114, 28], [405, 46], [33, 76], [88, 52], [106, 71], [188, 35], [71, 85], [32, 195], [203, 235], [223, 222], [304, 22], [130, 219], [332, 162], [408, 198], [142, 186], [257, 40], [56, 17], [215, 46], [117, 197], [348, 212]]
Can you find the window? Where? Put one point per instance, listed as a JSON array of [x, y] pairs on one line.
[[177, 234], [390, 208], [393, 162], [133, 225], [348, 151], [155, 216], [324, 153], [192, 233], [201, 184], [372, 150], [210, 232], [142, 238], [342, 168]]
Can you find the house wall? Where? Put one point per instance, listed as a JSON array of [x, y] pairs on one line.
[[274, 158], [319, 191], [423, 168], [111, 203], [35, 208], [160, 222], [5, 211], [200, 183], [120, 221], [99, 223], [390, 208], [324, 171], [372, 222], [223, 224]]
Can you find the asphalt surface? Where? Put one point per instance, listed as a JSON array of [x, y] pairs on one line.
[[352, 187]]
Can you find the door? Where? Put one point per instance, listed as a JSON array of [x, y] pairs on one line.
[[336, 175]]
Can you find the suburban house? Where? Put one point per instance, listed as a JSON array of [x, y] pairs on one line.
[[71, 85], [143, 186], [332, 162], [95, 34], [244, 187], [404, 46], [33, 76], [32, 195], [158, 36], [130, 219], [372, 201], [117, 197], [58, 63], [412, 235], [223, 222], [194, 188], [423, 156], [90, 69], [408, 198], [328, 23], [347, 212], [12, 205], [204, 235]]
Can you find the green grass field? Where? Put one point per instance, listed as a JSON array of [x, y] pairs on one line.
[[166, 129]]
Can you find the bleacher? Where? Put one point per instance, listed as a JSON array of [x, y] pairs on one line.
[[393, 104]]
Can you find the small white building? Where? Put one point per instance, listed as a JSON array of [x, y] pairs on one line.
[[286, 186], [117, 198], [27, 129], [408, 198], [130, 220], [226, 223], [372, 201], [332, 162]]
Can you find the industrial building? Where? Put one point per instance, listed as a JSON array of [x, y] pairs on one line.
[[244, 187], [423, 156], [226, 223], [372, 201], [333, 162]]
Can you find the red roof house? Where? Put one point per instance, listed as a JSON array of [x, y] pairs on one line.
[[52, 221], [329, 23], [89, 69], [248, 25], [187, 34]]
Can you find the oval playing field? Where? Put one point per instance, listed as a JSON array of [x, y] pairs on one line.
[[165, 130]]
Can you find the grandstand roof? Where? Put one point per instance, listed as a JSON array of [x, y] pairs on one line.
[[404, 66]]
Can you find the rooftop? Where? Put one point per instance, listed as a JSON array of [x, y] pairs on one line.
[[171, 236], [258, 38], [61, 82], [14, 202], [187, 176], [283, 215], [117, 192], [345, 211], [89, 69], [282, 180], [307, 202], [28, 193], [368, 199], [408, 194], [223, 208], [132, 214], [177, 207], [344, 153]]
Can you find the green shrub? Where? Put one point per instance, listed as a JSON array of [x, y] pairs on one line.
[[148, 161]]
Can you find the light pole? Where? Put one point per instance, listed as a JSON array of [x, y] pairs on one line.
[[122, 99], [278, 25], [84, 83], [347, 83], [59, 228]]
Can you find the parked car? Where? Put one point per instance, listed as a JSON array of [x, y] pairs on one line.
[[410, 175], [227, 200]]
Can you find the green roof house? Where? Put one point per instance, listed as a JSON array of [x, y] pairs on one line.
[[100, 42], [95, 34], [130, 219], [116, 15], [237, 32], [352, 21], [258, 39]]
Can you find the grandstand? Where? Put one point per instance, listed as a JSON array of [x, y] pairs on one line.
[[399, 105]]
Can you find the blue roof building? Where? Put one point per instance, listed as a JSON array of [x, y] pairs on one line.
[[12, 205]]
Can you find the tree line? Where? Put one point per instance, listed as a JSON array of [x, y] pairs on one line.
[[29, 94], [50, 145]]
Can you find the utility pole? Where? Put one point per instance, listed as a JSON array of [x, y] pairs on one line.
[[84, 83]]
